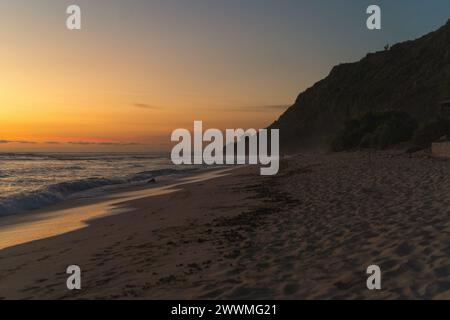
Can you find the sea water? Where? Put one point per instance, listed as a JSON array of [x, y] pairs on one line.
[[33, 180]]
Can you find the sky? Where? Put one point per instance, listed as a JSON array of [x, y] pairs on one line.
[[139, 69]]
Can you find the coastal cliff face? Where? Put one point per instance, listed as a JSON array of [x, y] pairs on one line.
[[412, 76]]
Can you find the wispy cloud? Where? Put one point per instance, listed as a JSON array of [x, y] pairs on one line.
[[259, 108], [146, 106], [17, 141], [118, 143], [132, 144], [81, 143], [88, 143]]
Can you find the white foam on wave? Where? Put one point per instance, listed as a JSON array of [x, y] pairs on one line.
[[58, 192]]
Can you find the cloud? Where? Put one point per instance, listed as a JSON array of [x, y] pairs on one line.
[[118, 143], [132, 144], [107, 143], [259, 108], [82, 143], [17, 141], [145, 106], [89, 143]]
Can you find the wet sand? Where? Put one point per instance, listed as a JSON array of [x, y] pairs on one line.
[[308, 233], [76, 214]]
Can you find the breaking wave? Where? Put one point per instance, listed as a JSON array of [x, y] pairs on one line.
[[58, 192]]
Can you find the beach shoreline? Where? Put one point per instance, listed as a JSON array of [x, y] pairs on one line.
[[73, 214], [308, 233]]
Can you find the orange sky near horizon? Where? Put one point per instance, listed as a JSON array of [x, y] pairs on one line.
[[105, 84], [140, 69], [73, 96]]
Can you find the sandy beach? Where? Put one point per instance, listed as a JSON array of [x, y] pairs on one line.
[[308, 233]]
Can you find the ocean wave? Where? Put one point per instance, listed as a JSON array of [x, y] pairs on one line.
[[61, 191]]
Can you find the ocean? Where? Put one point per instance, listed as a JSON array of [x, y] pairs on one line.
[[30, 181]]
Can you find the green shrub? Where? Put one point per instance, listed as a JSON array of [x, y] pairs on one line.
[[368, 140], [431, 131], [375, 130]]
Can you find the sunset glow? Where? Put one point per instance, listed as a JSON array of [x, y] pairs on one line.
[[136, 72]]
